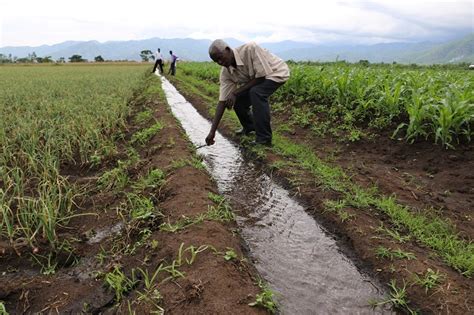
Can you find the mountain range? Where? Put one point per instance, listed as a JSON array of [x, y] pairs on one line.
[[454, 51]]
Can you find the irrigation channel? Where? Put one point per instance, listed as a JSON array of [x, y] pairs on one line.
[[297, 257]]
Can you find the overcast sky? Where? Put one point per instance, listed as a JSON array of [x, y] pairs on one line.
[[34, 23]]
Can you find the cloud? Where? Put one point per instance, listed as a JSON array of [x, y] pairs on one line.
[[50, 21]]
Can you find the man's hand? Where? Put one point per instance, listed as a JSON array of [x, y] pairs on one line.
[[210, 138], [230, 102]]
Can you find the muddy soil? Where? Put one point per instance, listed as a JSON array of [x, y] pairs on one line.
[[421, 175], [103, 241]]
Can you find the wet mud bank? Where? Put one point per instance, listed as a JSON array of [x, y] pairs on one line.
[[153, 234], [421, 176]]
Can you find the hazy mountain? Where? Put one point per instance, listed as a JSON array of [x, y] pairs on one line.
[[461, 50], [455, 51]]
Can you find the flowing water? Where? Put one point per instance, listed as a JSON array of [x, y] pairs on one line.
[[297, 257]]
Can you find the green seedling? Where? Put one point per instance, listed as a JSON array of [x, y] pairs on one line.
[[143, 116], [265, 298], [143, 136], [141, 208], [154, 244], [397, 298], [118, 281], [3, 308], [154, 179], [383, 252], [133, 156], [173, 270], [197, 162], [194, 251], [430, 279], [221, 212], [150, 279], [116, 178], [338, 206], [102, 255], [400, 254], [230, 254], [393, 233], [181, 224]]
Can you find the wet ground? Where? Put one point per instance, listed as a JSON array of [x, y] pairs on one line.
[[107, 240], [298, 258], [420, 175]]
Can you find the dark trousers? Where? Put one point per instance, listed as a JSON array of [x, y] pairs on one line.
[[158, 62], [259, 119], [172, 68]]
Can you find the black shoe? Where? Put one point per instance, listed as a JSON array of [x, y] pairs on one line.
[[264, 143], [243, 131]]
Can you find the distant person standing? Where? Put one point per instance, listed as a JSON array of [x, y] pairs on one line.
[[158, 61], [173, 59]]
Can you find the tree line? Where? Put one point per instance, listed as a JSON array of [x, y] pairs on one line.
[[145, 55]]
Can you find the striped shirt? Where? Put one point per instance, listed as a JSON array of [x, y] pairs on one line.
[[252, 62]]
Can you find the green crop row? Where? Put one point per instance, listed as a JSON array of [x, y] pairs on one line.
[[53, 118], [429, 103]]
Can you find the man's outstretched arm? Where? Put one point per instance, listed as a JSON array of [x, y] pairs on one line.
[[215, 123]]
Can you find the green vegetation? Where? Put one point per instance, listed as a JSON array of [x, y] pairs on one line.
[[397, 298], [220, 212], [265, 298], [143, 136], [430, 279], [384, 252], [423, 102], [154, 179], [119, 282], [230, 254], [348, 95], [393, 234], [54, 116], [3, 309]]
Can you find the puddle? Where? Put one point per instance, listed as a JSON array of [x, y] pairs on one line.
[[298, 258], [105, 232]]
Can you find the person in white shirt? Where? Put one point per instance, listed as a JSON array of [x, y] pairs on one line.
[[158, 61], [249, 75]]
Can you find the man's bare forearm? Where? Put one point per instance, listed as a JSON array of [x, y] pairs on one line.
[[218, 116]]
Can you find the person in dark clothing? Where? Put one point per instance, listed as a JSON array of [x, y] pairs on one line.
[[158, 61], [249, 75], [173, 60]]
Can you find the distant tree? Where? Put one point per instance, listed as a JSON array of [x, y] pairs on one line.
[[364, 62], [5, 58], [146, 55], [77, 58], [99, 58], [61, 60], [23, 60], [32, 57], [46, 59]]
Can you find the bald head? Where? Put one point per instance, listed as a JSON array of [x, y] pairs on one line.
[[217, 46]]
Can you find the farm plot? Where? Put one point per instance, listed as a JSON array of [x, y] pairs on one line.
[[403, 200], [104, 207]]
